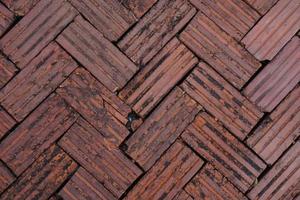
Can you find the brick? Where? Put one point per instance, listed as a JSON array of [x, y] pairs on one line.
[[222, 100], [262, 6], [86, 44], [158, 77], [282, 180], [138, 7], [36, 81], [220, 50], [7, 70], [162, 128], [276, 133], [235, 17], [6, 122], [43, 177], [94, 102], [169, 174], [6, 19], [269, 35], [155, 29], [36, 133], [225, 152], [20, 7], [277, 79], [100, 157], [41, 25], [183, 195], [6, 177], [211, 184], [83, 186]]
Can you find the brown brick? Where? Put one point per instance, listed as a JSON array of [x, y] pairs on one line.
[[277, 79], [269, 35], [105, 111], [41, 25], [43, 177], [211, 184], [158, 77], [284, 178], [183, 195], [220, 50], [234, 16], [110, 17], [6, 177], [6, 19], [162, 128], [82, 186], [97, 54], [222, 100], [169, 174], [138, 7], [155, 29], [262, 6], [6, 122], [226, 153], [36, 81], [20, 7], [100, 157], [36, 133], [7, 70], [277, 133]]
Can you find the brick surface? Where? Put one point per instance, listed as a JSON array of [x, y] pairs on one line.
[[262, 6], [6, 177], [7, 70], [138, 7], [6, 19], [6, 122], [20, 7]]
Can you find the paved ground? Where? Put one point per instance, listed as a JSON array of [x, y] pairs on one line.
[[145, 100]]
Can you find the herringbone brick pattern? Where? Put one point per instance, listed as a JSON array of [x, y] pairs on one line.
[[150, 100]]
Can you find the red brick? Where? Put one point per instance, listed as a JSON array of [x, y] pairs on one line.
[[43, 177], [138, 7], [277, 79], [269, 35], [97, 54], [234, 16], [20, 7], [211, 184], [155, 29], [110, 17], [105, 111], [277, 133], [262, 6], [222, 100], [6, 177], [169, 174], [6, 19], [36, 81], [7, 70], [225, 152], [100, 157], [183, 195], [36, 133], [83, 185], [6, 122], [162, 128], [157, 78], [220, 50], [41, 25]]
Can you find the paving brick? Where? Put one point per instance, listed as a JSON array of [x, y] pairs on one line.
[[138, 7], [6, 122], [222, 100], [220, 50], [284, 178], [183, 195], [6, 177], [83, 186], [234, 16], [277, 133], [7, 70], [36, 81], [211, 184], [155, 29], [158, 77], [86, 44], [36, 30], [162, 128], [110, 17], [43, 177], [262, 6], [277, 79], [269, 35], [100, 157], [225, 152], [36, 133], [94, 102], [20, 7], [169, 174], [6, 19]]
